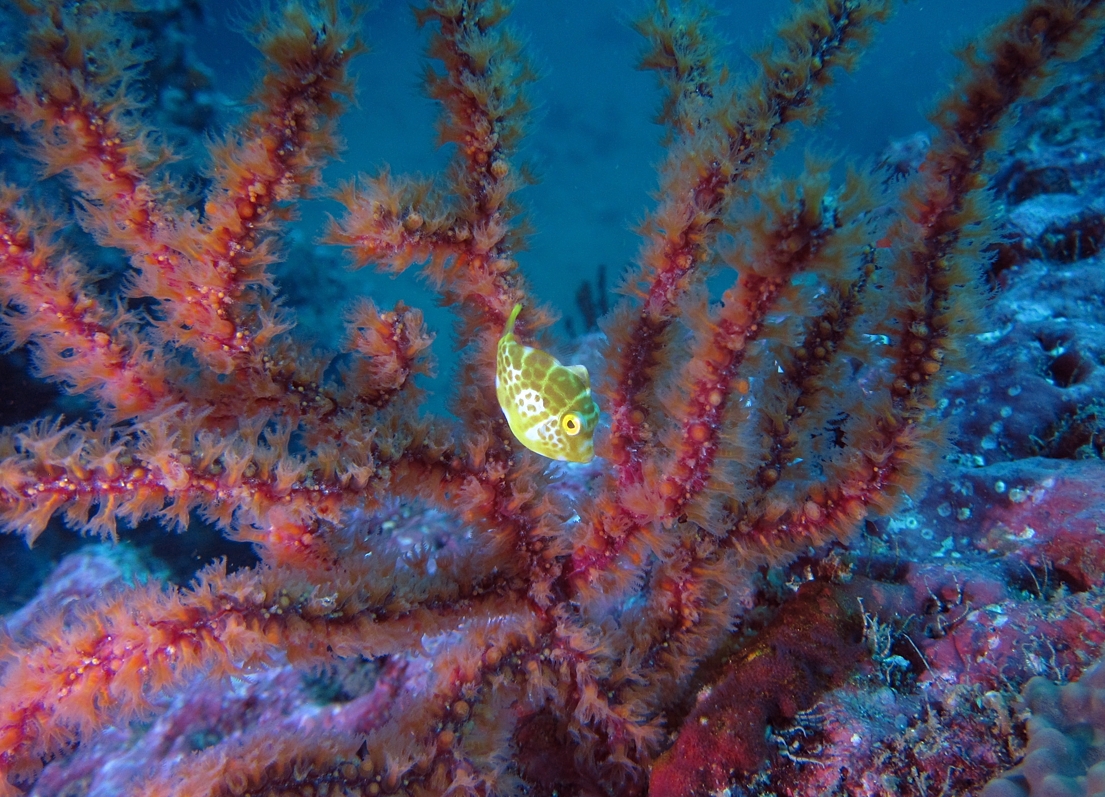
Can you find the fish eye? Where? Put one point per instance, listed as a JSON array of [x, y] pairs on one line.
[[571, 424]]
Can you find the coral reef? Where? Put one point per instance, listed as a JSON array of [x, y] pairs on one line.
[[1064, 740], [713, 605]]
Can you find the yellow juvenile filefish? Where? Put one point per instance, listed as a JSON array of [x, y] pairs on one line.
[[548, 405]]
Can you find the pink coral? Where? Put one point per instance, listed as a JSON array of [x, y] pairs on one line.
[[550, 645]]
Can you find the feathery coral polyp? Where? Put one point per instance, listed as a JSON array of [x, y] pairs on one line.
[[538, 630]]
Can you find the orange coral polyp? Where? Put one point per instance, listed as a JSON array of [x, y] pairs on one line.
[[553, 622]]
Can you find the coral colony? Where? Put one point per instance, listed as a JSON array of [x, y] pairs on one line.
[[705, 608]]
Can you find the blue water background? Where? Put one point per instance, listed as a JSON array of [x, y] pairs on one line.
[[593, 139]]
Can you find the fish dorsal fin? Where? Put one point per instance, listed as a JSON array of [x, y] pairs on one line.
[[510, 321]]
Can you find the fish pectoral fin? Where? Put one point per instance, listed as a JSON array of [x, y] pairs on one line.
[[581, 372]]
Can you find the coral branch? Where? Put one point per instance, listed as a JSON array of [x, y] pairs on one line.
[[435, 609], [467, 241], [728, 143], [79, 341]]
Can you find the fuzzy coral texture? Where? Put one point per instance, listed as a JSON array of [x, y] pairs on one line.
[[1064, 755], [433, 609]]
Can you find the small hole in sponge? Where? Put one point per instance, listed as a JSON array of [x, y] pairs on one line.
[[1069, 368]]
